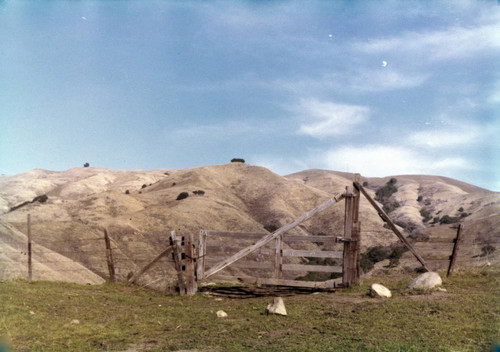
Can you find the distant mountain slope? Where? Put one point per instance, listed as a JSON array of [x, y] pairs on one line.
[[140, 208]]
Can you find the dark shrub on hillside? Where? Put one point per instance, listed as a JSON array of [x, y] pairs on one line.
[[86, 165], [199, 192], [395, 255], [127, 192], [419, 199], [371, 256], [425, 214], [446, 219], [144, 186], [182, 195], [42, 199], [392, 181], [461, 209], [486, 250], [384, 193], [389, 207], [238, 160], [365, 184], [271, 227]]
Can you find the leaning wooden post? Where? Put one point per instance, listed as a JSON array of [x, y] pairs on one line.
[[30, 270], [454, 254], [348, 270], [109, 257], [190, 261], [278, 258]]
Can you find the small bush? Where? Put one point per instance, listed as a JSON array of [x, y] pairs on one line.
[[487, 250], [395, 255], [419, 199], [425, 214], [238, 160], [42, 199], [127, 192], [371, 256], [199, 192], [365, 184], [182, 195], [384, 193], [389, 207], [86, 165], [144, 186], [271, 227], [392, 181], [446, 219], [463, 215], [461, 209]]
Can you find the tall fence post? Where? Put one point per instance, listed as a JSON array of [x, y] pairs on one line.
[[109, 257], [278, 258], [30, 270], [348, 270], [190, 263], [356, 233], [454, 254], [202, 251], [176, 244]]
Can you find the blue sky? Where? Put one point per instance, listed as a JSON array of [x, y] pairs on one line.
[[376, 87]]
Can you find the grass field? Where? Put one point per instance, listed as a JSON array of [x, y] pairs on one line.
[[40, 316]]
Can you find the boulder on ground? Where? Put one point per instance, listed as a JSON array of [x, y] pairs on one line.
[[426, 280], [221, 314], [378, 290], [277, 306]]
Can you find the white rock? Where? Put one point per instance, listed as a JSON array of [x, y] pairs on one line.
[[75, 321], [277, 306], [426, 280], [221, 314], [378, 290]]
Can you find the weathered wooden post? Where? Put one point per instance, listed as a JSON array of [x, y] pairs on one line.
[[190, 262], [348, 270], [30, 271], [109, 257], [202, 252], [454, 254], [278, 258], [176, 244], [356, 232]]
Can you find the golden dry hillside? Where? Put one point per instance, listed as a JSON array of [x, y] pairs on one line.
[[140, 208]]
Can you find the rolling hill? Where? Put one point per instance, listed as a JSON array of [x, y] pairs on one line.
[[140, 208]]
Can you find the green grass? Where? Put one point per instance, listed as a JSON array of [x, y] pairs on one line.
[[114, 317]]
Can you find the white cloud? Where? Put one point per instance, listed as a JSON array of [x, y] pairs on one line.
[[444, 138], [455, 42], [324, 119], [381, 160], [358, 81]]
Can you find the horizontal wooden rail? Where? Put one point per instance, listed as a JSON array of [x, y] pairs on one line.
[[434, 240], [259, 235], [214, 251], [278, 282], [267, 265], [438, 258], [313, 254], [312, 268]]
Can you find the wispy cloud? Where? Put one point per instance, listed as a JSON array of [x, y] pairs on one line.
[[357, 81], [382, 160], [454, 42], [325, 119]]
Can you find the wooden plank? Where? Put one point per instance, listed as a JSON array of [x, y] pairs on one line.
[[202, 252], [245, 251], [30, 268], [434, 240], [237, 235], [313, 254], [245, 264], [386, 218], [456, 247], [226, 250], [189, 250], [176, 244], [276, 282], [313, 238], [134, 278], [109, 257], [313, 268]]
